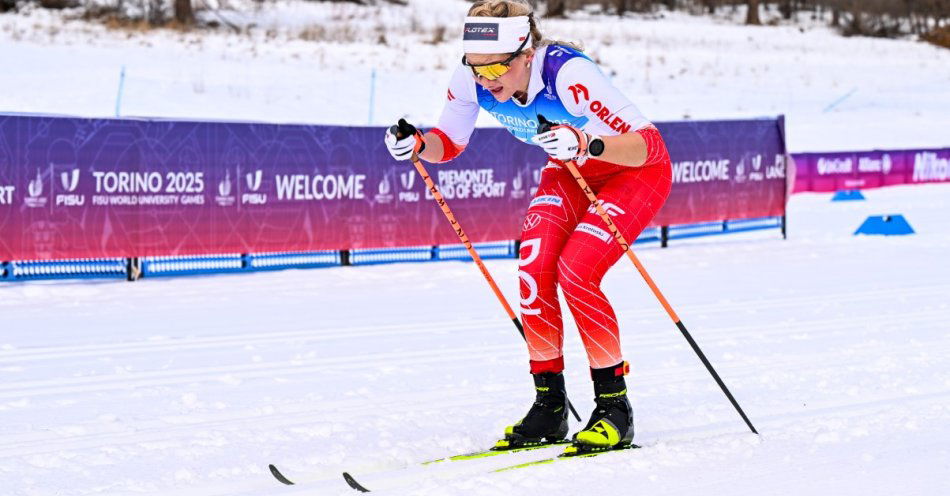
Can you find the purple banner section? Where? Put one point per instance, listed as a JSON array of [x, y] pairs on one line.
[[89, 188], [823, 172], [725, 170]]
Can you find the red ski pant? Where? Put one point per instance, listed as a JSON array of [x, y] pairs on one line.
[[565, 243]]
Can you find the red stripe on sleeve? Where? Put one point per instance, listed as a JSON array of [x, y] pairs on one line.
[[656, 147], [450, 149]]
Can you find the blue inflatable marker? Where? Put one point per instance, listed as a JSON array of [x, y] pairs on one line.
[[847, 195], [888, 225]]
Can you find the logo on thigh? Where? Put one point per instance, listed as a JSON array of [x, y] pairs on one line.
[[611, 208], [530, 250], [531, 221], [546, 200], [594, 230]]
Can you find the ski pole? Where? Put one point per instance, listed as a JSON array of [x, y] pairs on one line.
[[400, 131], [543, 126]]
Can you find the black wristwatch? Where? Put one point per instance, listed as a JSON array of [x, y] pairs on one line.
[[596, 147]]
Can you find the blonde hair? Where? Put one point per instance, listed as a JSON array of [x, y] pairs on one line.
[[514, 8]]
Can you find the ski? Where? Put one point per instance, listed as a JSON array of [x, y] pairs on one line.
[[475, 455], [279, 476], [492, 452], [565, 456], [353, 483]]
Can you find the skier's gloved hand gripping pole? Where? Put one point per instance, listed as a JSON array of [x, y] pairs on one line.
[[544, 126], [404, 130]]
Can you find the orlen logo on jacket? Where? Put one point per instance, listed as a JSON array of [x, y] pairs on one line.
[[253, 182], [69, 180], [599, 109], [35, 192], [407, 180]]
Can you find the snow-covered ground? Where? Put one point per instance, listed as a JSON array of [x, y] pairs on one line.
[[835, 345], [314, 63]]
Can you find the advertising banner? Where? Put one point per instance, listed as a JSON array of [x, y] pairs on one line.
[[89, 188], [825, 172]]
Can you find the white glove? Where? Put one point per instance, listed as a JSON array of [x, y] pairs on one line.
[[564, 143], [403, 139]]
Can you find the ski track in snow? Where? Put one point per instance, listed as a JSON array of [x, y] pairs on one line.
[[835, 345]]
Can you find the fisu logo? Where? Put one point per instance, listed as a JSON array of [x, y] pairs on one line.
[[69, 180], [757, 162], [407, 179], [530, 250], [254, 180]]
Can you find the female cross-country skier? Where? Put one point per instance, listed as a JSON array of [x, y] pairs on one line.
[[515, 74]]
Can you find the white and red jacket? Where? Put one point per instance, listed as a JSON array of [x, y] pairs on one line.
[[565, 86]]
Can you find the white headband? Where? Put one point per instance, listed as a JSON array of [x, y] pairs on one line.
[[496, 34]]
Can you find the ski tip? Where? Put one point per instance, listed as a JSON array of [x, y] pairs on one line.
[[279, 476], [352, 483]]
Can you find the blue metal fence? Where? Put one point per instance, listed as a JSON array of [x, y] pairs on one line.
[[132, 268]]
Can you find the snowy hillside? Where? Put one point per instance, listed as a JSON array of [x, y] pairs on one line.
[[835, 345], [314, 63]]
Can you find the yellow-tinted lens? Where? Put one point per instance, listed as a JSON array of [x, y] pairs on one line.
[[491, 72]]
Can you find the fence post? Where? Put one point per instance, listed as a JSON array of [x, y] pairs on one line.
[[345, 257], [118, 96], [664, 236], [784, 235], [133, 269], [372, 95]]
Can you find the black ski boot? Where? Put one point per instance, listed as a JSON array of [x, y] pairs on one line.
[[611, 425], [546, 421]]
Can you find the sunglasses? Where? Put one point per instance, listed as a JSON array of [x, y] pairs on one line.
[[495, 70]]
